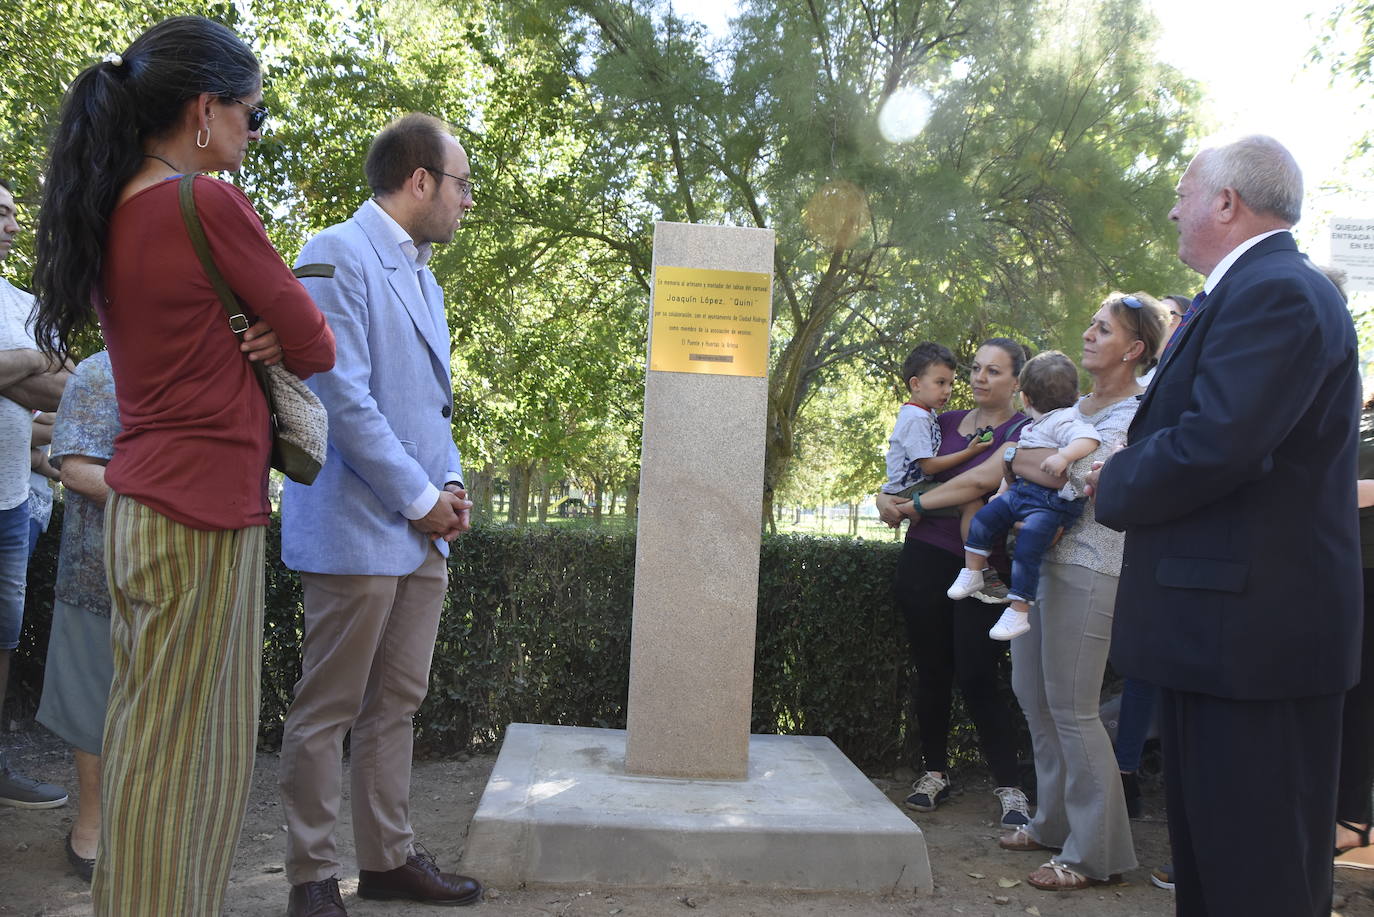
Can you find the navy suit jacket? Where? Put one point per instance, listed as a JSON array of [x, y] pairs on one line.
[[1241, 576]]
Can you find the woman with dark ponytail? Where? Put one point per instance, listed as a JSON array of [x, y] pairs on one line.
[[188, 506]]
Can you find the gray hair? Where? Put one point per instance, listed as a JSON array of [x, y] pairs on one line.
[[1262, 172]]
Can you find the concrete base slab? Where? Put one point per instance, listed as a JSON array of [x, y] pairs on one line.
[[560, 808]]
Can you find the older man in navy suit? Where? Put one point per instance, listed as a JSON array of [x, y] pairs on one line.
[[1240, 590], [371, 535]]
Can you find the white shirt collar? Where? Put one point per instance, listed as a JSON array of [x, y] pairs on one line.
[[1224, 265], [417, 255]]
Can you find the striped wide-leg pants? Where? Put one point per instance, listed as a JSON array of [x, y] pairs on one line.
[[181, 728]]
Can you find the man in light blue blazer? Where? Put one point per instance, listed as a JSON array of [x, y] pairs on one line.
[[370, 536]]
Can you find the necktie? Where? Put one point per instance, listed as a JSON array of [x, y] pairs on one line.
[[1183, 322]]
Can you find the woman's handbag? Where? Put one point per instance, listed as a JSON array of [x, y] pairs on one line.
[[300, 425]]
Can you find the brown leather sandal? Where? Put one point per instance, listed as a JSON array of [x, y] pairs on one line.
[[1021, 839], [1056, 877]]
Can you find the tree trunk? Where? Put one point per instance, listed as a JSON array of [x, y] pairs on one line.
[[479, 492], [598, 497], [632, 503], [853, 518], [543, 478], [520, 475]]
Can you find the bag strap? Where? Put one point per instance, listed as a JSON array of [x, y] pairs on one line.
[[238, 322]]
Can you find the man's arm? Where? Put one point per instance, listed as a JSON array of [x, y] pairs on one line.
[[17, 365], [29, 379]]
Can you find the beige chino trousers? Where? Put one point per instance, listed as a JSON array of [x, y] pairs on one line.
[[366, 651]]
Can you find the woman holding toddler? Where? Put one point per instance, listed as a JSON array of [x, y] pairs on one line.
[[1057, 667], [947, 639]]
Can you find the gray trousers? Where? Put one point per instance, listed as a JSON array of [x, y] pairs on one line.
[[1057, 676]]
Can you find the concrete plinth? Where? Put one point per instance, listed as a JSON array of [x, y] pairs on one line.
[[560, 808]]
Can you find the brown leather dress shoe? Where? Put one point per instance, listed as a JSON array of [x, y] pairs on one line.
[[316, 899], [419, 880]]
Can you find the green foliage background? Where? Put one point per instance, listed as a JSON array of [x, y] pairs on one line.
[[1039, 184]]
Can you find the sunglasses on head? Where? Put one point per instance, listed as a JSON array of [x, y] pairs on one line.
[[1132, 303], [256, 114]]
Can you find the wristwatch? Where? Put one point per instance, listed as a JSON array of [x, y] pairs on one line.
[[1007, 455]]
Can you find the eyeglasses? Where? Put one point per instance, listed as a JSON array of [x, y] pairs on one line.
[[465, 186], [1132, 303], [256, 114]]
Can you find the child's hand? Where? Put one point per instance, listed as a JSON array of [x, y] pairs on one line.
[[1056, 465], [979, 444]]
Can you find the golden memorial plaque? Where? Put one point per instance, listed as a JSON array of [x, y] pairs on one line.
[[707, 321]]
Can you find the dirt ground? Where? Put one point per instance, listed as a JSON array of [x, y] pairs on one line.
[[973, 876]]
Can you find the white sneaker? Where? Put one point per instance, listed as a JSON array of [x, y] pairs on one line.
[[1013, 623], [966, 584], [1015, 806], [931, 790]]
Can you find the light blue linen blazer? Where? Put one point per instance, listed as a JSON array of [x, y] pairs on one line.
[[389, 398]]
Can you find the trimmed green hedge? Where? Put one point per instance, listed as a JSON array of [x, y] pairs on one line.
[[536, 628]]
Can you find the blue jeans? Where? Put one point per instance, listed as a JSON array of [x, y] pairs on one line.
[[14, 563], [1043, 513]]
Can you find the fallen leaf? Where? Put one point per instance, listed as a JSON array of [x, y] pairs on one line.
[[1001, 899], [976, 875], [1008, 883], [1033, 911]]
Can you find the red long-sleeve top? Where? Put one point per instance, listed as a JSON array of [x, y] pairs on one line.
[[196, 439]]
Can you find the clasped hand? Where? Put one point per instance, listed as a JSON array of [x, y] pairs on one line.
[[450, 517], [893, 509]]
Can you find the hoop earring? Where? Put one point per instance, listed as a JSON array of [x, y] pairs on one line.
[[207, 138]]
